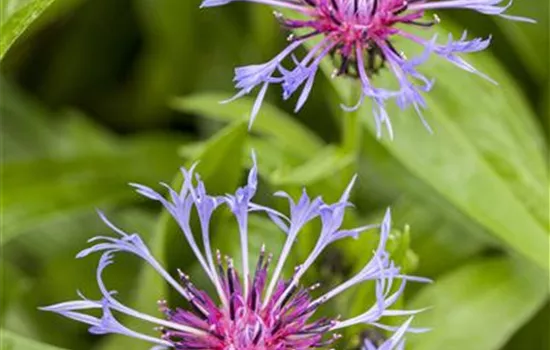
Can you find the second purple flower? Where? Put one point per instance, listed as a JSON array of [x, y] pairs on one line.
[[360, 35]]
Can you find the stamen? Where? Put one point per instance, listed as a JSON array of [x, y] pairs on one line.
[[268, 262], [232, 308], [314, 286], [344, 66], [334, 19], [163, 307], [280, 18], [401, 9], [198, 309], [253, 301], [219, 264], [374, 7], [373, 52], [260, 261], [230, 276], [288, 296], [258, 334], [393, 49], [195, 298], [428, 24], [294, 37]]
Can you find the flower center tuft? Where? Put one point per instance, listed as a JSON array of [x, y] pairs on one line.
[[245, 320], [357, 27]]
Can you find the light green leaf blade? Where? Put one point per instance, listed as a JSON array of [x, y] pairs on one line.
[[478, 306], [440, 243], [31, 131], [38, 191], [326, 172], [534, 334], [19, 21], [12, 341], [223, 154], [442, 236], [530, 41], [271, 121], [167, 28], [19, 17], [325, 163], [10, 291]]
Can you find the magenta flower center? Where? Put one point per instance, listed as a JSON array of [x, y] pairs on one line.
[[357, 28], [245, 320]]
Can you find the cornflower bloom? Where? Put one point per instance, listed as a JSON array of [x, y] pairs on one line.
[[361, 35], [251, 312]]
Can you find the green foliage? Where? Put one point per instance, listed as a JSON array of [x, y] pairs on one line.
[[273, 123], [12, 341], [18, 22], [18, 17], [496, 296], [96, 94], [528, 41]]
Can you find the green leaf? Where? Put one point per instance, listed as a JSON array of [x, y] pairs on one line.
[[530, 41], [264, 32], [485, 154], [442, 237], [271, 122], [275, 158], [222, 154], [12, 341], [327, 162], [327, 172], [534, 334], [18, 22], [38, 191], [442, 243], [478, 306], [167, 28], [25, 131], [31, 131], [10, 291]]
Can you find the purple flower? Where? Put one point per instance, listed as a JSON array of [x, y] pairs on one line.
[[253, 311], [360, 35]]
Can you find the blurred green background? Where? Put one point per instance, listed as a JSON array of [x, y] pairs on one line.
[[96, 94]]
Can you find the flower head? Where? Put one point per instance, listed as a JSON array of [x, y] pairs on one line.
[[361, 35], [255, 310]]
